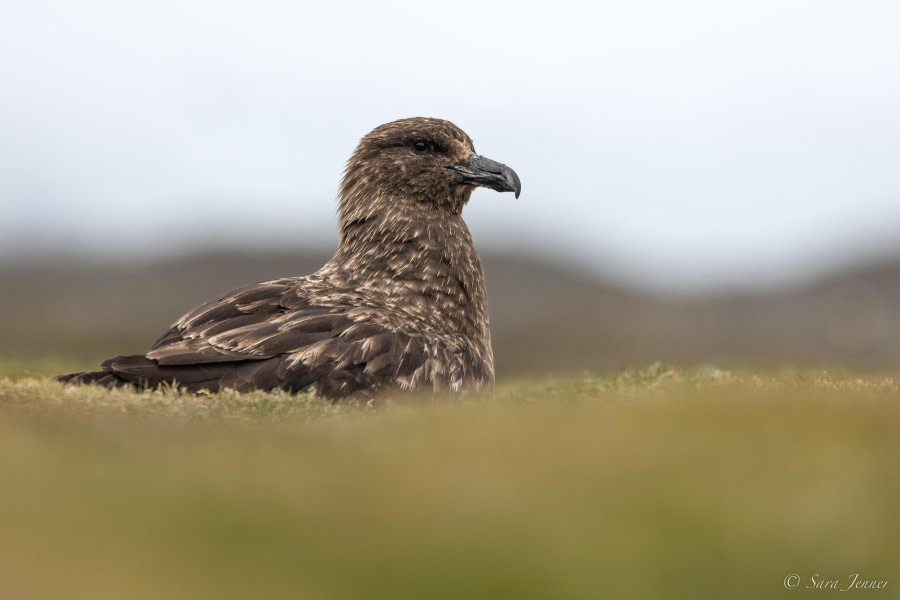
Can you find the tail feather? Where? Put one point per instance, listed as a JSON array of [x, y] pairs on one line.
[[103, 378], [141, 372]]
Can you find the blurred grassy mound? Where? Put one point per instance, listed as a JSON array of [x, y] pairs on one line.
[[658, 483]]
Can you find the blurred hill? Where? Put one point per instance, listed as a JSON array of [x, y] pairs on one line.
[[546, 317]]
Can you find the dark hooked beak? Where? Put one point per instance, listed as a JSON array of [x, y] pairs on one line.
[[485, 172]]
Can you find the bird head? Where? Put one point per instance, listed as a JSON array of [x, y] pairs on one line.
[[421, 160]]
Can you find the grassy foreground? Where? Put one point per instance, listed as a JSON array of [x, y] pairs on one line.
[[656, 483]]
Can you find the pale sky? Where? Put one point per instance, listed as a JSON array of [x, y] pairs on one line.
[[675, 144]]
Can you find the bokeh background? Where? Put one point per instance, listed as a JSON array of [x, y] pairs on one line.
[[713, 185], [702, 182]]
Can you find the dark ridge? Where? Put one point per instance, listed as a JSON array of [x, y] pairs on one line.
[[545, 317]]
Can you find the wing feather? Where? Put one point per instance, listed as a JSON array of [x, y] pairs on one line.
[[268, 336]]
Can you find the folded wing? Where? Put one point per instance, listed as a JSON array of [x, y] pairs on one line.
[[268, 336]]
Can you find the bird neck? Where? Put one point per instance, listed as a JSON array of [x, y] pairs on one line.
[[409, 249]]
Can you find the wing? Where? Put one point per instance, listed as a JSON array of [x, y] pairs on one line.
[[270, 335]]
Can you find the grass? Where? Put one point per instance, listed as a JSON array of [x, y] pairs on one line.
[[655, 483]]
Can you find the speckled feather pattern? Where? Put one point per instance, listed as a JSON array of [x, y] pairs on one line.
[[401, 305]]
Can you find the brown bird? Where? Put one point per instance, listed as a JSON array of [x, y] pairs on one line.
[[401, 305]]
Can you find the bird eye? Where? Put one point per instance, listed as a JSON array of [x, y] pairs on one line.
[[420, 146]]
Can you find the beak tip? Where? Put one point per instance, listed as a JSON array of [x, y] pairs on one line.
[[516, 184]]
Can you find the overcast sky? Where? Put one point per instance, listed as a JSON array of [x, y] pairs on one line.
[[677, 143]]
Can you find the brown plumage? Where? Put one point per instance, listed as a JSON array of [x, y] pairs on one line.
[[402, 304]]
